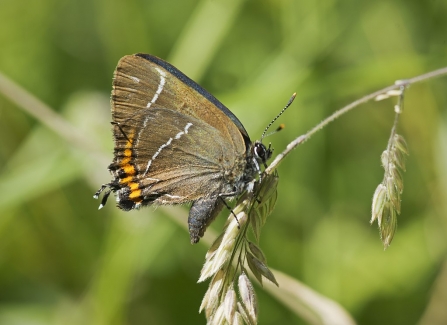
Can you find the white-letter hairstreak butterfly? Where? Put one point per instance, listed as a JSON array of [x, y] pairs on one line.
[[176, 143]]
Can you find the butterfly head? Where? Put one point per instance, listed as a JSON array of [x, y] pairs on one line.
[[261, 153]]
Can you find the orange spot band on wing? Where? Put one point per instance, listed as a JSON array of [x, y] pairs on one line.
[[126, 180], [129, 169], [128, 153], [125, 162], [130, 137], [134, 186], [135, 195], [135, 192]]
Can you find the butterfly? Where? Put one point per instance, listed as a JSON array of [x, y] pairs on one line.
[[176, 143]]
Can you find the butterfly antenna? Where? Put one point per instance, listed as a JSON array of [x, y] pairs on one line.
[[277, 116], [279, 128]]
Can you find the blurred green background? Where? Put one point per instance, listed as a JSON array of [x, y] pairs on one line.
[[64, 262]]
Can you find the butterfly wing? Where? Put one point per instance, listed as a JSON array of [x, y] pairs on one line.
[[174, 142]]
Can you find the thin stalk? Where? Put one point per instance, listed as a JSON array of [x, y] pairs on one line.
[[304, 137]]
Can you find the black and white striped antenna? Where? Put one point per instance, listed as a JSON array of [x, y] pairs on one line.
[[277, 116]]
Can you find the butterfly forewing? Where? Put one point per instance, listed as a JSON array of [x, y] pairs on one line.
[[154, 81]]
